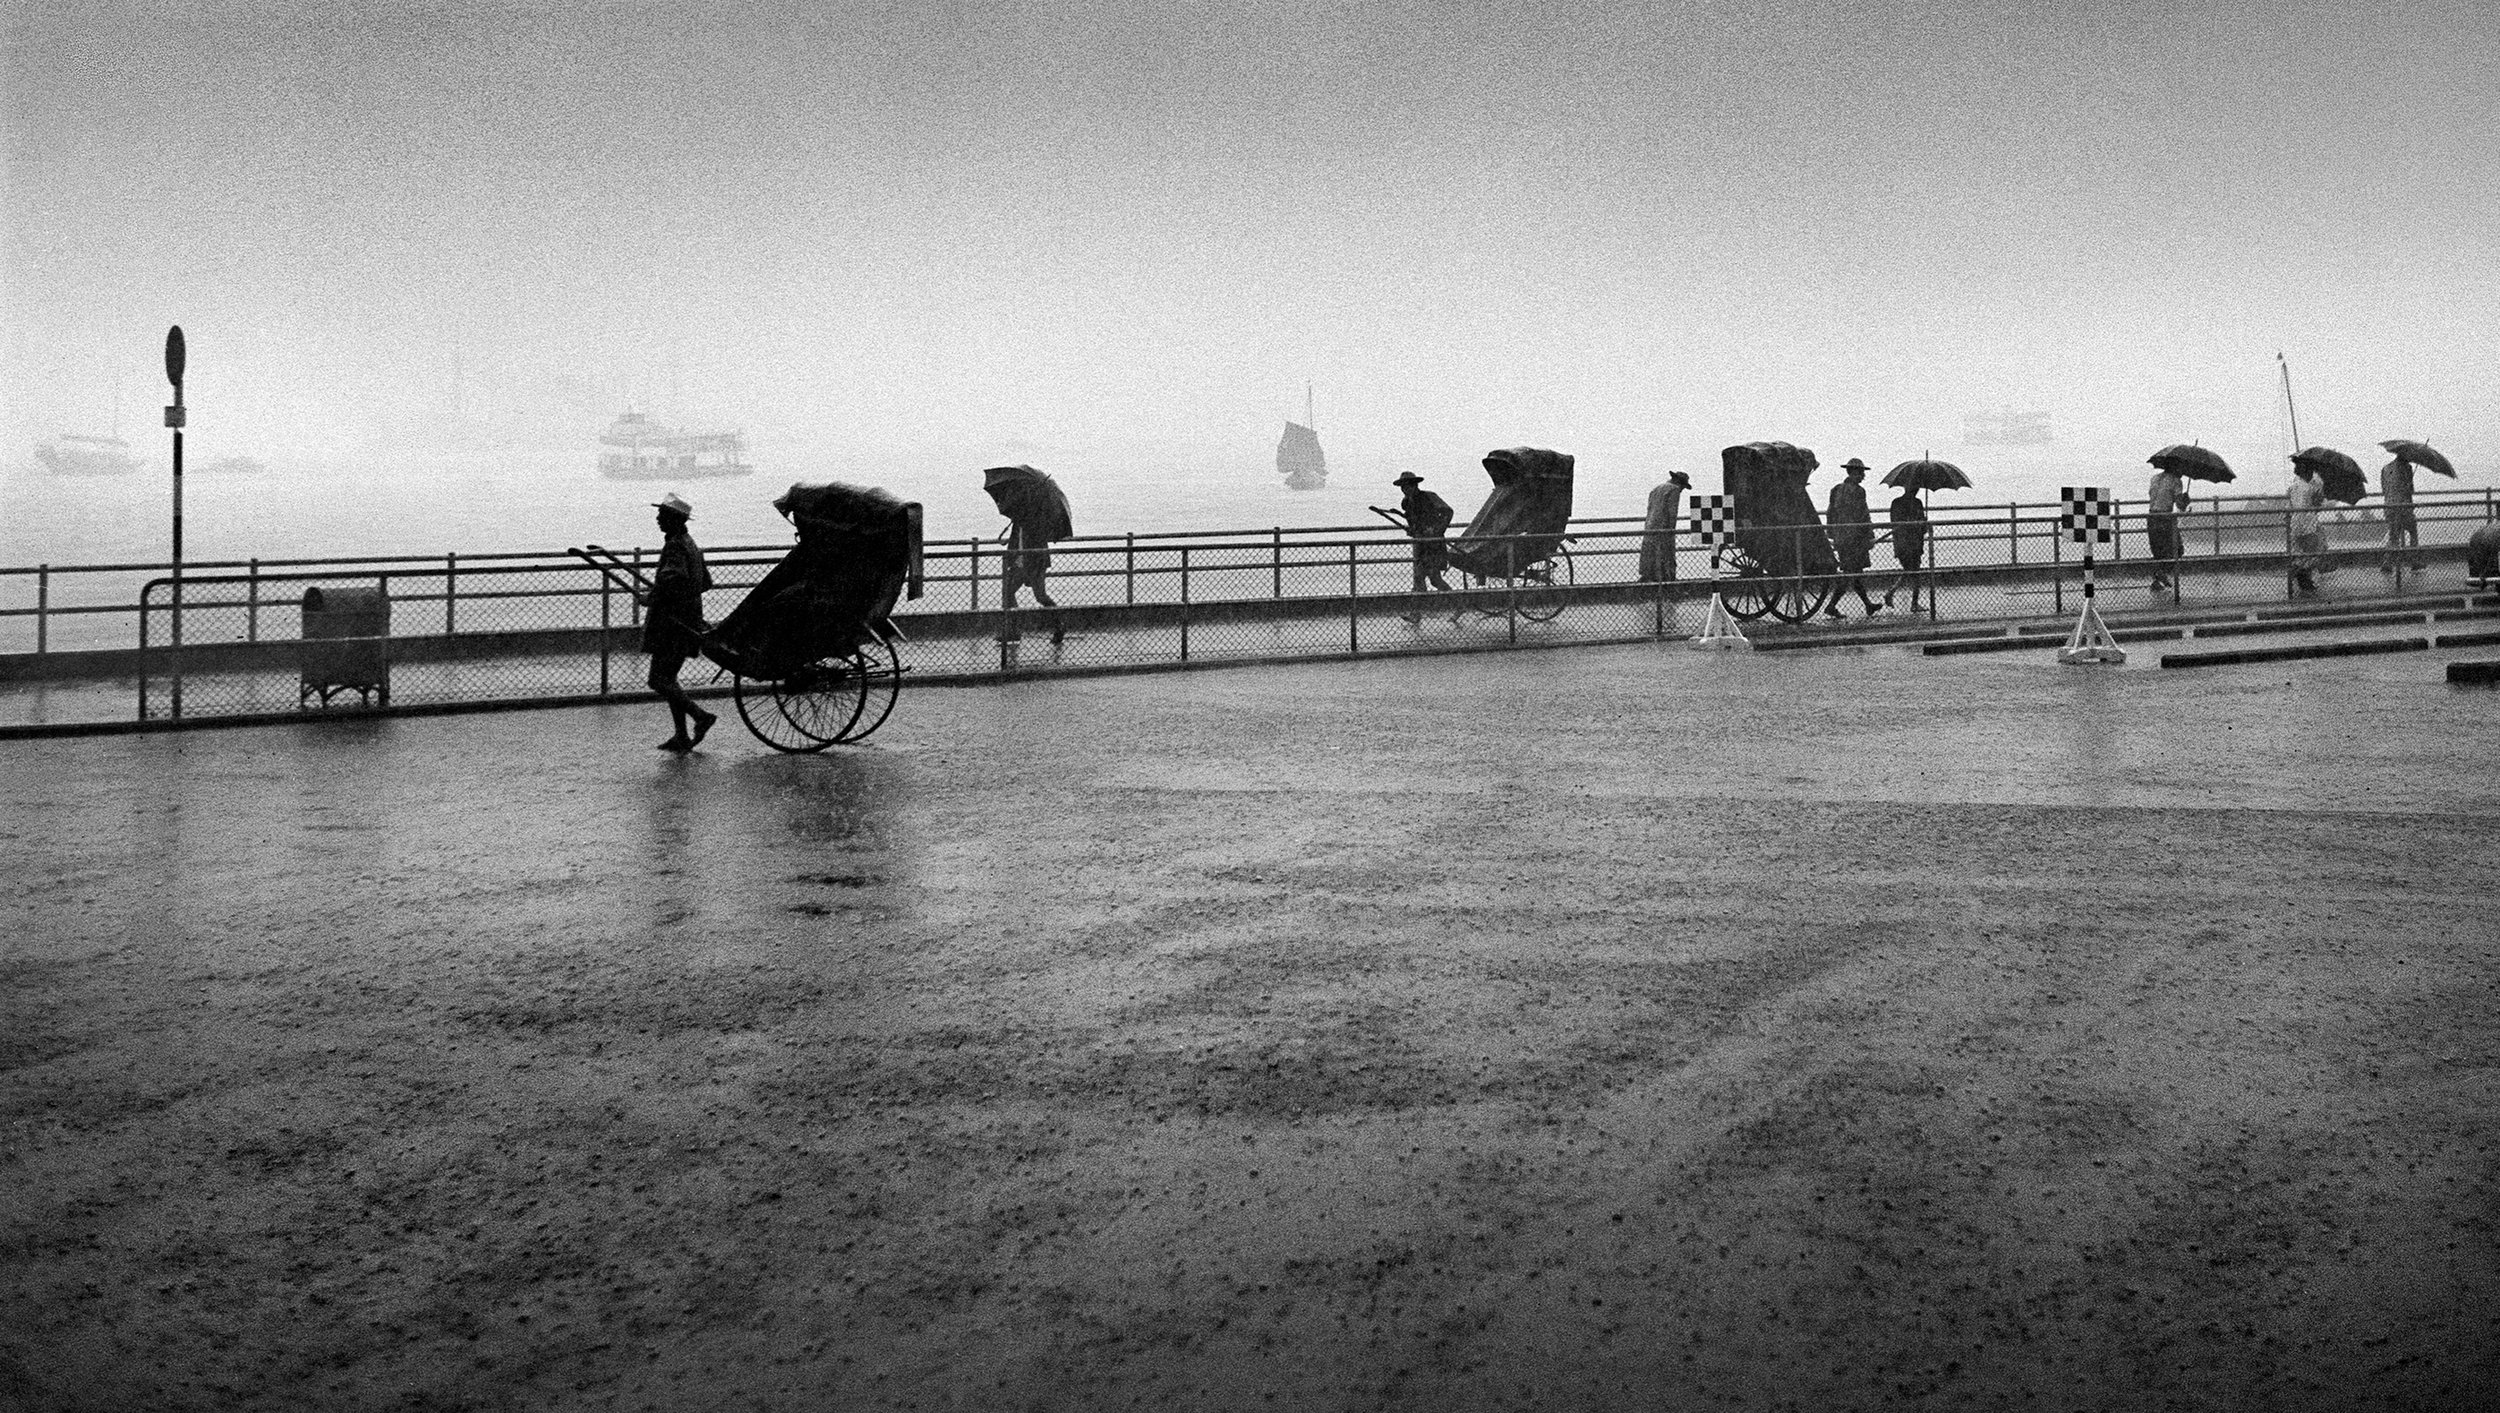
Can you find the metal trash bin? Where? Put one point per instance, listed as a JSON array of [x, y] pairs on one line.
[[347, 646]]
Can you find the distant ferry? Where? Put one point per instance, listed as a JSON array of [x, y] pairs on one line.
[[71, 454], [2007, 427], [635, 448]]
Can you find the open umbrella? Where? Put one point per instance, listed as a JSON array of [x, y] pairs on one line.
[[1926, 475], [2340, 474], [2193, 462], [1031, 499], [2420, 454]]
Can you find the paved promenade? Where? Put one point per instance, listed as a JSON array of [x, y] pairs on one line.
[[1619, 1027]]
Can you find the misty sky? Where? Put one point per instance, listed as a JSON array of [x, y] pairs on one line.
[[1113, 230]]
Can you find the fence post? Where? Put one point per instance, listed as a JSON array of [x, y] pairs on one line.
[[1276, 558], [173, 630], [1353, 603], [606, 609], [633, 611], [143, 650], [2057, 577], [2215, 516], [1130, 573], [1184, 603], [451, 589], [1510, 561], [2013, 534], [973, 574], [251, 602], [43, 607], [384, 583]]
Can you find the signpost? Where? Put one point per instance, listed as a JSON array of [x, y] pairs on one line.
[[1713, 517], [175, 356], [2090, 518]]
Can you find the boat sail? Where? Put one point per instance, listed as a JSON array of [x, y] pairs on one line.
[[635, 448], [1298, 457]]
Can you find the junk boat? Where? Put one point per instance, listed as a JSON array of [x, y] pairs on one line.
[[1298, 457], [635, 448]]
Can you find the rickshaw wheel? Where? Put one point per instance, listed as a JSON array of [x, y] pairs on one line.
[[1546, 603], [881, 681], [823, 699], [759, 707], [1797, 598], [1747, 588]]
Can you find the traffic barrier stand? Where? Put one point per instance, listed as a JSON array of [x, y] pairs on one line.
[[2090, 518], [1714, 518], [1719, 631]]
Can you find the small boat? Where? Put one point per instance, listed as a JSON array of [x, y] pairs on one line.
[[2007, 427], [635, 448], [233, 466], [1298, 457], [71, 454]]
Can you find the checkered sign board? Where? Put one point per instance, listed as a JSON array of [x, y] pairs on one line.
[[2091, 515], [1714, 517]]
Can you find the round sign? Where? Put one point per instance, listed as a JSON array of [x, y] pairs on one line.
[[173, 355]]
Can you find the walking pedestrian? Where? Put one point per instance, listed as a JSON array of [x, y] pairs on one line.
[[2165, 499], [1027, 564], [1853, 533], [1666, 501], [1426, 519], [672, 624], [1909, 544], [2300, 526]]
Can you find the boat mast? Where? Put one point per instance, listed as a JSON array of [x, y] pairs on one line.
[[2289, 408], [1308, 420]]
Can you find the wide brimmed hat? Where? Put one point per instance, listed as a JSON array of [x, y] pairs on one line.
[[1679, 478], [674, 504], [1853, 464], [1407, 478]]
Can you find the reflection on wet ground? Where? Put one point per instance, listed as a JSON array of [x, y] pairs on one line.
[[1595, 1028]]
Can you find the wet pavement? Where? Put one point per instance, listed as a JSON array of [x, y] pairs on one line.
[[1592, 1028]]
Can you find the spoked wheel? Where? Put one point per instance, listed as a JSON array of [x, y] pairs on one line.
[[881, 679], [763, 716], [823, 699], [1545, 602], [1796, 598], [1747, 588]]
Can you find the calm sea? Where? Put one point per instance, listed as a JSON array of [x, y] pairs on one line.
[[307, 511]]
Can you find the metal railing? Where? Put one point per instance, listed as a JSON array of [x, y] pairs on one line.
[[515, 626]]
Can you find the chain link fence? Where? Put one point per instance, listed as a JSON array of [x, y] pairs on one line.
[[274, 637]]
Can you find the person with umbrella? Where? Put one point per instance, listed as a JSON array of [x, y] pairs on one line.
[[2300, 526], [1909, 543], [2395, 483], [1037, 513], [672, 625], [1853, 532], [1909, 516], [2166, 499]]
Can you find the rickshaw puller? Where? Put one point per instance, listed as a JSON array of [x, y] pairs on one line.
[[673, 618]]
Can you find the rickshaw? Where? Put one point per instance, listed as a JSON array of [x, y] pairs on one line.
[[1780, 560], [811, 648], [1518, 535]]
